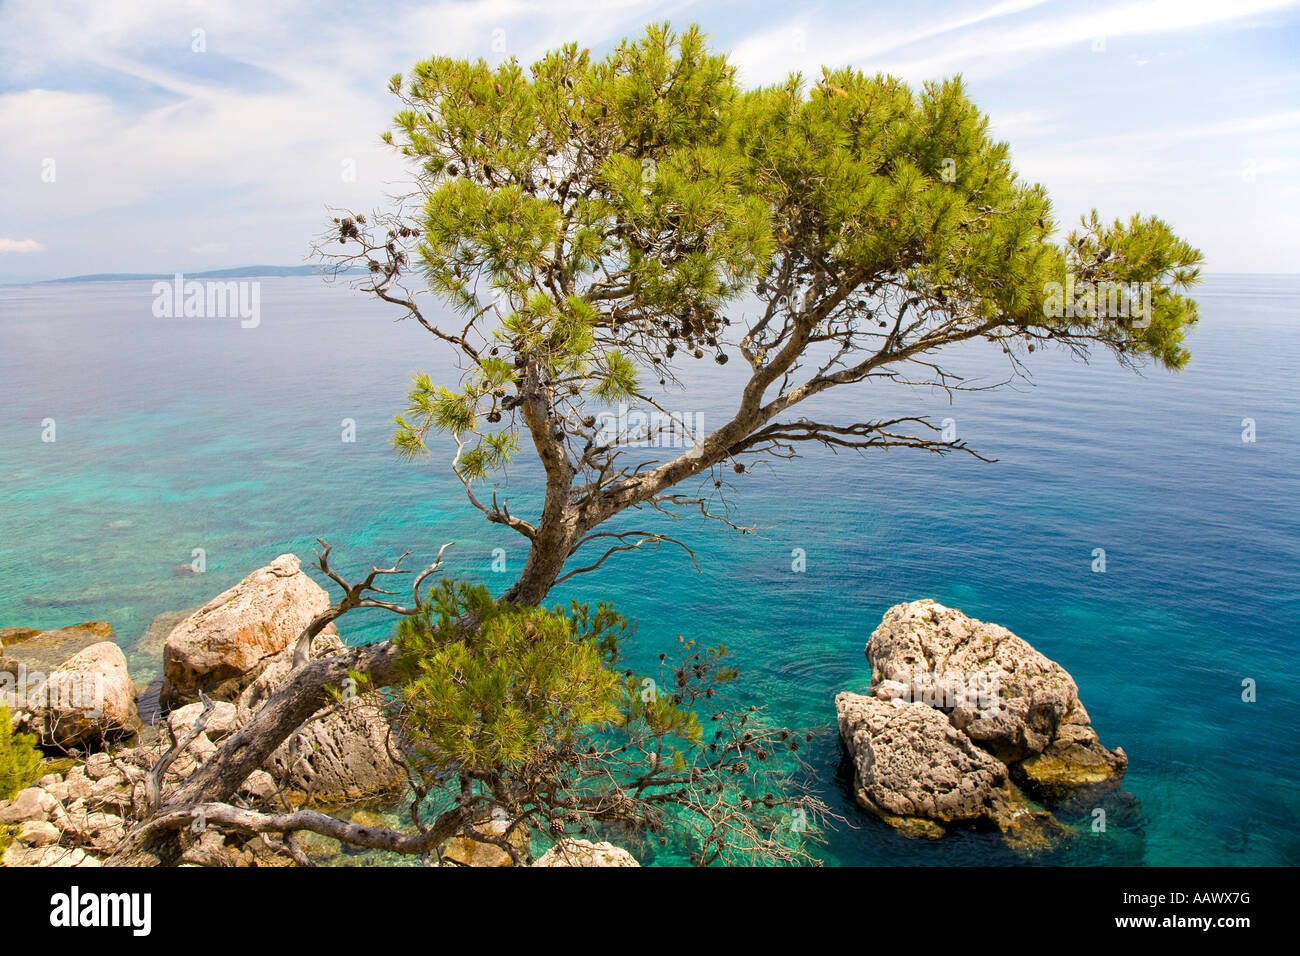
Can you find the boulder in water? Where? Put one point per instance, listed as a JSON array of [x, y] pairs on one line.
[[1007, 697], [916, 771]]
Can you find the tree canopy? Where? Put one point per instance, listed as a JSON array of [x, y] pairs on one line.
[[595, 223]]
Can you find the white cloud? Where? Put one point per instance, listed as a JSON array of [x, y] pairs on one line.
[[198, 160], [181, 145], [808, 42], [1009, 125], [20, 245], [973, 44]]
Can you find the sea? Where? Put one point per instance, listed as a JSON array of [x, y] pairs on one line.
[[1140, 528]]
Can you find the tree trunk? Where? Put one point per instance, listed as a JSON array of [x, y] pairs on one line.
[[557, 527], [544, 563]]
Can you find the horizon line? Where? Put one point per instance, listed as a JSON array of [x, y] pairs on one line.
[[277, 272]]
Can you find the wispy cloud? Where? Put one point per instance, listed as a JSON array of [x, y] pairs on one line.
[[997, 39], [112, 124], [818, 37]]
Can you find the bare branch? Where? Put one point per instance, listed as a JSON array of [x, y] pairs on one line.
[[356, 595]]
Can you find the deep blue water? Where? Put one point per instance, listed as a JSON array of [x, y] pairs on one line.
[[178, 434]]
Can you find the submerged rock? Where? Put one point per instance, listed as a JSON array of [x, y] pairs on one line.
[[466, 851], [224, 645], [1031, 831], [42, 651], [1074, 758], [154, 639]]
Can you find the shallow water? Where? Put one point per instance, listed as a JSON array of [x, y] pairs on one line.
[[178, 434]]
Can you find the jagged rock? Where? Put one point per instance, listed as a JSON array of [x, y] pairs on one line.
[[38, 833], [77, 786], [351, 754], [154, 639], [586, 853], [100, 765], [110, 794], [135, 764], [224, 645], [915, 770], [85, 701], [96, 829], [58, 790], [326, 644], [207, 849], [1031, 832], [199, 750], [222, 722], [345, 756], [260, 785], [1011, 700], [1074, 758]]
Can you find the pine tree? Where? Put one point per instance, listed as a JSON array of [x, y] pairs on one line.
[[597, 224]]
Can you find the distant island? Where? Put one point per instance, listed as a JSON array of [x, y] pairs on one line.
[[240, 272]]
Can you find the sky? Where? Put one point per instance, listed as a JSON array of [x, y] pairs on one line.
[[184, 135]]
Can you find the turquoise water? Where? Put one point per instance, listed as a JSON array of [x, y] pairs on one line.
[[175, 434]]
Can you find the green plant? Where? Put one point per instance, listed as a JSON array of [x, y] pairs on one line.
[[20, 760], [530, 719]]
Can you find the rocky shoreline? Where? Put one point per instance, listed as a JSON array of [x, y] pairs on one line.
[[236, 650], [964, 724]]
